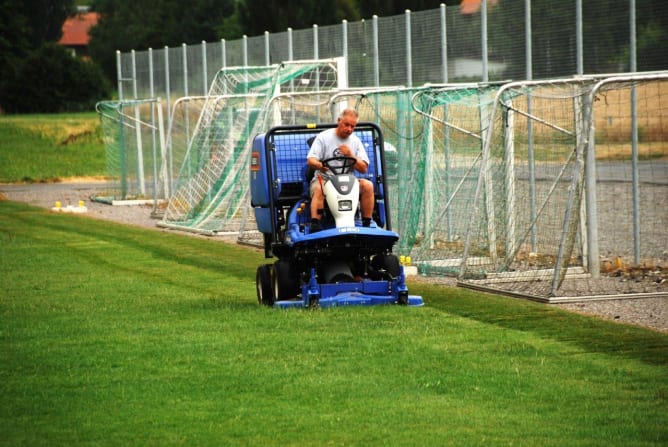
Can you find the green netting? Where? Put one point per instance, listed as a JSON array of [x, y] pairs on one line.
[[526, 230], [132, 137], [433, 146], [462, 194]]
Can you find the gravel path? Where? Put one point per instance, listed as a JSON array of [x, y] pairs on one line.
[[648, 312], [47, 194]]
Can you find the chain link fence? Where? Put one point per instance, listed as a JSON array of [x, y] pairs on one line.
[[507, 40]]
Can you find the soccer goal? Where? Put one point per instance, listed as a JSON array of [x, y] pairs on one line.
[[567, 182], [134, 139], [210, 192]]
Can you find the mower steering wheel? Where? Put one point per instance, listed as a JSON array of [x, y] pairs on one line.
[[347, 163]]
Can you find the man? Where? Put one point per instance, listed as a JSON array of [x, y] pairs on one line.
[[339, 142]]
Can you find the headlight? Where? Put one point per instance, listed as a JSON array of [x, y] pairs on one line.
[[345, 205]]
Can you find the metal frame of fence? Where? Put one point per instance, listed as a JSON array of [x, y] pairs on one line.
[[397, 50]]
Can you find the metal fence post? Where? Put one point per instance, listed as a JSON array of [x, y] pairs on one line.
[[316, 56], [528, 48], [376, 57], [634, 137], [528, 53], [593, 262], [153, 128], [223, 55], [150, 73], [409, 50], [167, 82], [119, 75], [184, 54], [140, 151], [170, 166], [483, 38], [578, 36], [344, 34], [205, 80], [444, 46], [245, 50]]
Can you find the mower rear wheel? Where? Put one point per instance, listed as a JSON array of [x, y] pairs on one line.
[[265, 294]]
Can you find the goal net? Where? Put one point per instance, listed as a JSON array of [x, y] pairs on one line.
[[486, 181], [527, 226]]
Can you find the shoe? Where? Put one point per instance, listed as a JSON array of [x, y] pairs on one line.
[[366, 222], [315, 227]]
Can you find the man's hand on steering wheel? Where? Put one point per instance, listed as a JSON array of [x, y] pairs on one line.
[[347, 164]]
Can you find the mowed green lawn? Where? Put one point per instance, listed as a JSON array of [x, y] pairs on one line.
[[115, 335]]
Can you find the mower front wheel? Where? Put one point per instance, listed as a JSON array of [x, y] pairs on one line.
[[388, 263], [284, 282]]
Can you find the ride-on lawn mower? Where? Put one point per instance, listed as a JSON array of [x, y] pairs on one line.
[[345, 263]]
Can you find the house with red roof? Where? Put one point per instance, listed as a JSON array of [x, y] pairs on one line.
[[472, 6], [75, 32]]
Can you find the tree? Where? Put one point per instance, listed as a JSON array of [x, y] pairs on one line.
[[31, 23], [50, 80], [255, 19], [14, 40], [394, 7], [652, 35], [24, 28], [141, 24]]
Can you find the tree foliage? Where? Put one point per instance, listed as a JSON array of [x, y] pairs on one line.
[[27, 26], [50, 80], [393, 7], [652, 35], [14, 40], [296, 14], [255, 20], [44, 19], [141, 24], [36, 75]]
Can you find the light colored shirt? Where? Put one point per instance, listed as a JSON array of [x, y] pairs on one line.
[[326, 145]]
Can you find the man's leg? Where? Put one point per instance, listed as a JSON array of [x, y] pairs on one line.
[[366, 199], [317, 200]]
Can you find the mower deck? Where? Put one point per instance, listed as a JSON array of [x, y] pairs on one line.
[[355, 293], [348, 299]]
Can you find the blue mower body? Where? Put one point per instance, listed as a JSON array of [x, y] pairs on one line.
[[336, 266]]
